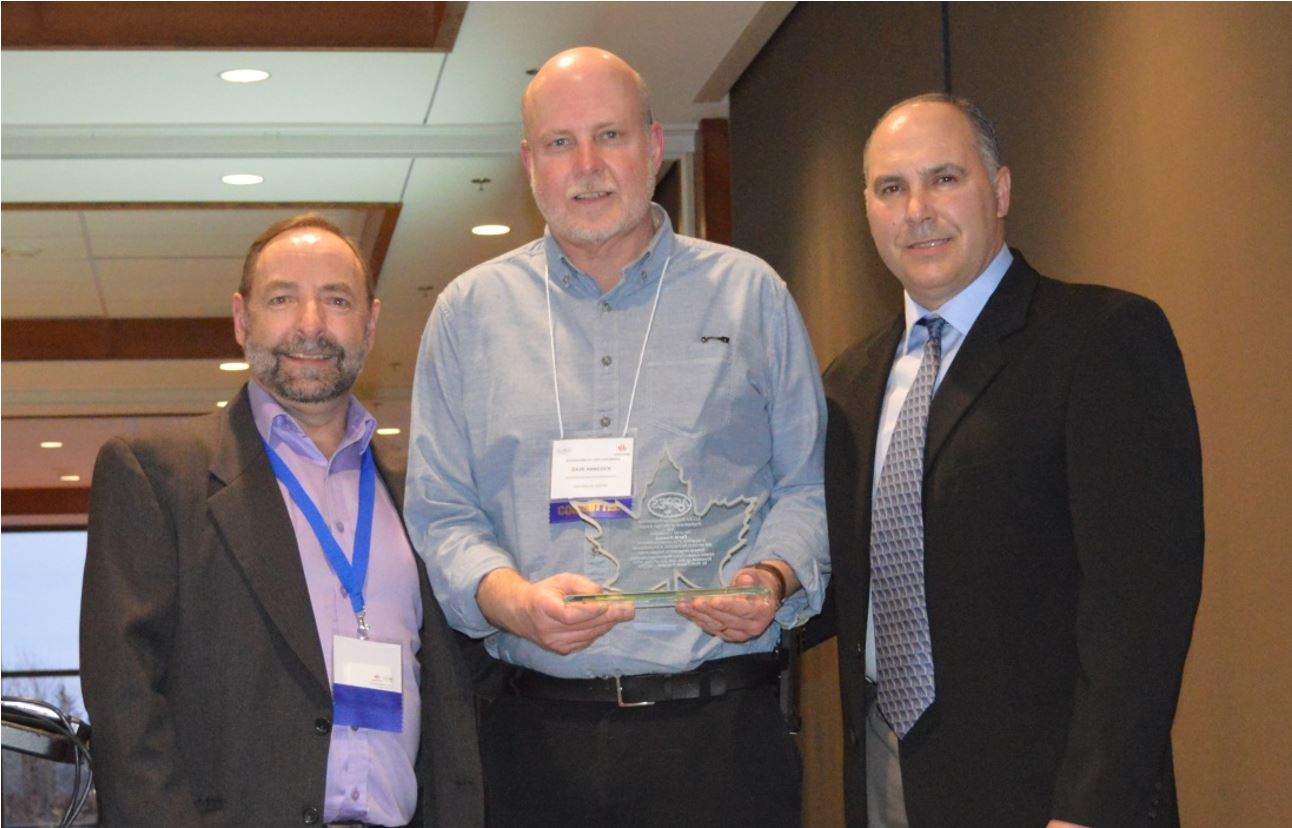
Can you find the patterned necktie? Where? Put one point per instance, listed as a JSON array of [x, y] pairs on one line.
[[903, 650]]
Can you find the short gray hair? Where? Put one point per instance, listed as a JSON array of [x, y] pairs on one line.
[[984, 130]]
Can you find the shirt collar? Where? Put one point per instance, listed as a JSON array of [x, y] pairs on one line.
[[277, 427], [961, 310], [641, 272]]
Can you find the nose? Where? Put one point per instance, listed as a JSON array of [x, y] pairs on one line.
[[310, 317], [917, 206], [589, 157]]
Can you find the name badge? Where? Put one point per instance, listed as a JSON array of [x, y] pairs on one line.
[[597, 472], [367, 684]]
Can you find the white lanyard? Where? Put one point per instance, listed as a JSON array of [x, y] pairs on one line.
[[551, 335]]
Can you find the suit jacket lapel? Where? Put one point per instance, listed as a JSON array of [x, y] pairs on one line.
[[867, 403], [980, 357], [249, 511]]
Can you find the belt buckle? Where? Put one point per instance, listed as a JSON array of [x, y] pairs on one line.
[[619, 697]]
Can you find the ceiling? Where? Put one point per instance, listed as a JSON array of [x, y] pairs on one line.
[[115, 213]]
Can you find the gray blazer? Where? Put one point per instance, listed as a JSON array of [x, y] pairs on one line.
[[200, 661]]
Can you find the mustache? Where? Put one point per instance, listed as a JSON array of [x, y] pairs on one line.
[[321, 345]]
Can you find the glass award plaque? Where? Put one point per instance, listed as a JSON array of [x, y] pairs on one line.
[[669, 549]]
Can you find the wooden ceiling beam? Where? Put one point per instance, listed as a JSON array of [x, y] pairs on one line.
[[66, 500], [43, 340], [422, 26]]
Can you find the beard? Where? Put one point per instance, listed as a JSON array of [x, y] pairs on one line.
[[564, 226], [306, 384]]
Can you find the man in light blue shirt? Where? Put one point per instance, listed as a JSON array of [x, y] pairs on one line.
[[612, 326]]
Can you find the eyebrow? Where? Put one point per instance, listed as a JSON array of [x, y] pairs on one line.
[[931, 172], [947, 168], [620, 125], [329, 287]]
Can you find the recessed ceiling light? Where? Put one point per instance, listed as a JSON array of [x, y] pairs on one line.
[[491, 229], [69, 478], [234, 366], [244, 75], [242, 179], [389, 431], [221, 403], [51, 444]]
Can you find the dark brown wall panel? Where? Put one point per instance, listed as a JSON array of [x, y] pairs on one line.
[[1149, 146], [799, 117], [713, 181]]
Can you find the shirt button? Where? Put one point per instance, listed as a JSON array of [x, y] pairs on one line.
[[605, 422], [565, 281], [606, 360], [605, 307], [643, 275], [339, 526], [355, 794]]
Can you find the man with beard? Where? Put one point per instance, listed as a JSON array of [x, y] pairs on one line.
[[259, 645], [686, 360]]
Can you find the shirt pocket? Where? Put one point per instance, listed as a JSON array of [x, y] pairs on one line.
[[690, 395]]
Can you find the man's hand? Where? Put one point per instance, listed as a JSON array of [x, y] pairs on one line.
[[537, 611], [1058, 823], [739, 618]]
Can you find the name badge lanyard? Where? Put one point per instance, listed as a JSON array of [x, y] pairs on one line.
[[351, 573], [551, 335]]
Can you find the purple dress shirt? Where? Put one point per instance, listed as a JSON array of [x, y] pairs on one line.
[[370, 774]]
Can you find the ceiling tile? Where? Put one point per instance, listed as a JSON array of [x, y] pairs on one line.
[[46, 286], [184, 87], [134, 288], [39, 224], [198, 179]]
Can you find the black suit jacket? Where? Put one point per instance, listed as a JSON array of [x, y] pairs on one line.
[[1063, 556], [200, 661]]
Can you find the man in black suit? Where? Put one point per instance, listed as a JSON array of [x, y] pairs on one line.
[[1034, 578], [242, 664]]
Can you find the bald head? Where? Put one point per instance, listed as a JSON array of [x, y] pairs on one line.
[[577, 66]]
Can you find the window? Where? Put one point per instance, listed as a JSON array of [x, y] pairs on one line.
[[40, 607]]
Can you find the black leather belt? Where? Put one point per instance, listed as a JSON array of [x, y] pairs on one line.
[[709, 681]]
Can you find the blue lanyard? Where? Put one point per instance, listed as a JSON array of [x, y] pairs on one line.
[[351, 574]]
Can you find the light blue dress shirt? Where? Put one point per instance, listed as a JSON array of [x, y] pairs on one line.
[[741, 412], [370, 775], [960, 312]]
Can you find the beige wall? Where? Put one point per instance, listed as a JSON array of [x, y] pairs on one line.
[[1150, 146]]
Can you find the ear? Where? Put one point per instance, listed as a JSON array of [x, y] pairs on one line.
[[239, 321], [525, 157], [656, 146], [1002, 192], [373, 310]]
